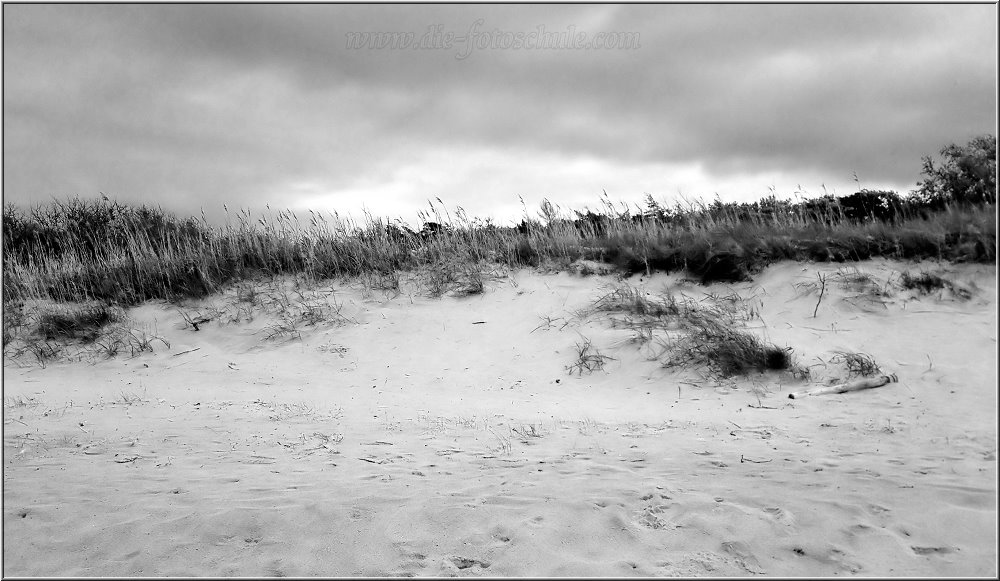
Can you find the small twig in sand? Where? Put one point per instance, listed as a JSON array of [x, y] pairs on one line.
[[822, 290], [742, 460], [831, 330], [188, 351]]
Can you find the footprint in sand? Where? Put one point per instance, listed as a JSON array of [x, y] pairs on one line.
[[276, 569], [932, 550], [880, 513], [860, 528], [700, 564], [780, 515], [94, 449], [743, 555], [655, 517], [656, 514], [412, 563], [829, 556], [462, 563]]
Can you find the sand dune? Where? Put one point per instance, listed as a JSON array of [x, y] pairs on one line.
[[439, 437]]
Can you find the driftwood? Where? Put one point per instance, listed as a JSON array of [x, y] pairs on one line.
[[856, 385]]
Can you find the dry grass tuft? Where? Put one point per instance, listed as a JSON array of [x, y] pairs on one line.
[[857, 364], [928, 282], [81, 322], [588, 359], [52, 332], [709, 334]]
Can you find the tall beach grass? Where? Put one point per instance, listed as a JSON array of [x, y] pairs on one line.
[[84, 250]]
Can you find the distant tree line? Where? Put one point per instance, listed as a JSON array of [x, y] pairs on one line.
[[965, 176]]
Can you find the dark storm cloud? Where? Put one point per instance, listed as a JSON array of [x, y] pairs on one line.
[[192, 104]]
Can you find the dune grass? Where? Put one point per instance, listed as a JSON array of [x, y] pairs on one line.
[[929, 282], [725, 350], [100, 256], [103, 250], [588, 359], [709, 334], [80, 250], [80, 323], [857, 364], [56, 331]]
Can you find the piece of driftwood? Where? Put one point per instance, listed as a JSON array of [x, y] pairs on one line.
[[856, 385]]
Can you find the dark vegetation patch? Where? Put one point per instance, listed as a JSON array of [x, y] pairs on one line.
[[929, 282], [726, 351], [925, 282], [48, 332], [83, 323]]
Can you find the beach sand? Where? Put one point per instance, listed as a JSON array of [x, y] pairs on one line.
[[445, 437]]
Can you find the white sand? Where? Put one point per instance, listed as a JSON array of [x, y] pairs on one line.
[[417, 442]]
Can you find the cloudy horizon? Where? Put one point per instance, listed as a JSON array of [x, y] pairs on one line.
[[194, 106]]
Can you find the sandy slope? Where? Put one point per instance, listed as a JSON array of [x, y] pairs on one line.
[[445, 437]]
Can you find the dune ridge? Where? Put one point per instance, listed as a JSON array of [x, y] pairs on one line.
[[451, 437]]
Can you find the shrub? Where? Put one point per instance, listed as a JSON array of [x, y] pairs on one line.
[[966, 175], [873, 205]]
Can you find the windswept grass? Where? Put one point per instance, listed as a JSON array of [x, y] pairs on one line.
[[50, 332], [82, 250], [588, 359], [112, 255], [725, 350], [83, 323], [857, 364], [929, 282], [629, 299], [708, 335]]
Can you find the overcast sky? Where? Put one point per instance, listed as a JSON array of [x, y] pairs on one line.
[[193, 106]]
